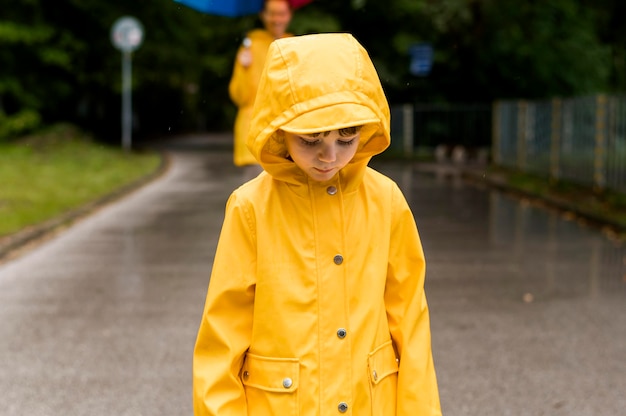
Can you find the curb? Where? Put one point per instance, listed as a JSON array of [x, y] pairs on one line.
[[11, 244]]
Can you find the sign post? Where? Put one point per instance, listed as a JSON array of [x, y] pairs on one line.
[[126, 35]]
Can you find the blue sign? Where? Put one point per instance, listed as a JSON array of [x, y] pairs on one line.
[[421, 59]]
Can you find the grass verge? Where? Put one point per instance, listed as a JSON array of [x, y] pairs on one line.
[[603, 206], [60, 169]]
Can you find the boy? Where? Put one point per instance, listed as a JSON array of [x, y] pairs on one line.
[[316, 304]]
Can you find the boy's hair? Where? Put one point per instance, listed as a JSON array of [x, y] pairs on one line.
[[346, 131], [343, 132]]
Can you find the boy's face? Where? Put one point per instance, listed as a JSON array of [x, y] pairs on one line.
[[276, 16], [322, 155]]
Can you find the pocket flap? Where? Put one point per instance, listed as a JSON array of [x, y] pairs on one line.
[[382, 362], [280, 375]]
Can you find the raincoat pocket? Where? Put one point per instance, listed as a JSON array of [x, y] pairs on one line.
[[382, 365], [271, 385]]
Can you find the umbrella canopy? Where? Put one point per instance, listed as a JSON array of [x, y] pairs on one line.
[[232, 8]]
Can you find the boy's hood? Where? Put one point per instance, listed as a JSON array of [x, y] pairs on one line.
[[316, 83]]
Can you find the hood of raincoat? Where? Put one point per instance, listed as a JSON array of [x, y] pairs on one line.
[[317, 83]]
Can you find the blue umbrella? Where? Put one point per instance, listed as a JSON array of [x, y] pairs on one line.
[[231, 8]]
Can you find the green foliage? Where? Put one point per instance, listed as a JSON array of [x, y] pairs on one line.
[[548, 49], [314, 21], [14, 33], [18, 124]]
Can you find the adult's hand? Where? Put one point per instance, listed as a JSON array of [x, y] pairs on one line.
[[245, 57]]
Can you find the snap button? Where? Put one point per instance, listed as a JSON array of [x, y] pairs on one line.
[[287, 383], [341, 333], [246, 375], [332, 190], [343, 407], [375, 375], [338, 259]]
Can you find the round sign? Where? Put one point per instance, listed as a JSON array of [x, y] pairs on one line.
[[127, 34]]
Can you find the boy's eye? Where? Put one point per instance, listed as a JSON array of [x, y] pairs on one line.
[[308, 142]]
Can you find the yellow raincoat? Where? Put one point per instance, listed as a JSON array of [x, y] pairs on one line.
[[316, 304], [242, 89]]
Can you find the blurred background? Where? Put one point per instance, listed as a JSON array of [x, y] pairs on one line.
[[57, 62]]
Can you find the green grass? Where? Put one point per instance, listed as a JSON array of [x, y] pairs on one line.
[[45, 175]]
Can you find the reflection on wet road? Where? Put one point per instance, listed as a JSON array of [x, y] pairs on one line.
[[540, 253], [528, 310]]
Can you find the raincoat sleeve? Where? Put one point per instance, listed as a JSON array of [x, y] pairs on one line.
[[408, 317], [226, 326], [244, 82]]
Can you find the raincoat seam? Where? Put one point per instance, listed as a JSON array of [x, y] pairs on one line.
[[287, 67], [359, 68], [249, 222], [317, 279]]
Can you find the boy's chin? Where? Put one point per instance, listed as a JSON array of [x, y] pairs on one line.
[[322, 177]]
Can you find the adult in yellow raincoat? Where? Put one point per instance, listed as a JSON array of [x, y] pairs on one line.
[[276, 16], [316, 303]]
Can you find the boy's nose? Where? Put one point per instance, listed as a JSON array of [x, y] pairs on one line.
[[328, 154]]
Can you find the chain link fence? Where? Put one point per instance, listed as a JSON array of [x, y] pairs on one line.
[[582, 140]]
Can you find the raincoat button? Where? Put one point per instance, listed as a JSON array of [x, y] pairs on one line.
[[338, 259], [287, 383], [375, 375], [343, 407], [341, 333], [332, 190], [246, 375]]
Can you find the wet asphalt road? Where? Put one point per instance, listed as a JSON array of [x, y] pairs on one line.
[[528, 309]]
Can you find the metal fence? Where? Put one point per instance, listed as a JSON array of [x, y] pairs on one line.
[[419, 126], [582, 139]]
